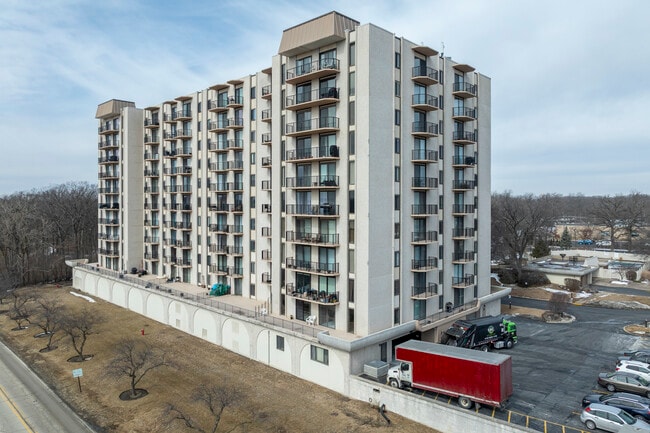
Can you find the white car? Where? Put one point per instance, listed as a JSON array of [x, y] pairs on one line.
[[637, 367], [611, 419]]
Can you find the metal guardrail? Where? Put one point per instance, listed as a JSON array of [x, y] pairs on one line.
[[209, 302]]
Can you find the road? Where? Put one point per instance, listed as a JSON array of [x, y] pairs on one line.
[[28, 405]]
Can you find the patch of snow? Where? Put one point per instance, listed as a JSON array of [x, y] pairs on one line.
[[624, 283], [87, 298], [581, 295], [548, 289]]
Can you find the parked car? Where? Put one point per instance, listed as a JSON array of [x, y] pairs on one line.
[[636, 367], [619, 381], [585, 242], [604, 243], [639, 355], [611, 419], [633, 404]]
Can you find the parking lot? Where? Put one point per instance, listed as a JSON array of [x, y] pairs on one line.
[[555, 365]]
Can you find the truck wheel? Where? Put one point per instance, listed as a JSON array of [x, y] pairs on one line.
[[590, 424], [509, 344], [484, 348], [393, 383], [465, 402]]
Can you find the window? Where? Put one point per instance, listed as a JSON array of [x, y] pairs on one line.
[[398, 145], [320, 354], [279, 342], [351, 202], [253, 92], [350, 290], [396, 316], [398, 88], [252, 285], [398, 60], [351, 113], [253, 116], [383, 351], [352, 83], [396, 287], [397, 202], [351, 231], [351, 143], [353, 54], [398, 117], [397, 174], [397, 230], [396, 259]]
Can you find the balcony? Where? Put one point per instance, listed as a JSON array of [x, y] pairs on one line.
[[312, 126], [235, 123], [424, 155], [108, 175], [111, 159], [266, 277], [325, 209], [236, 271], [218, 125], [320, 153], [151, 189], [266, 185], [183, 262], [464, 137], [182, 244], [219, 146], [463, 256], [150, 122], [235, 186], [151, 173], [313, 238], [462, 233], [177, 170], [266, 161], [462, 282], [235, 101], [109, 221], [463, 209], [109, 144], [424, 75], [182, 225], [312, 295], [424, 264], [424, 209], [464, 114], [425, 129], [266, 115], [266, 208], [109, 128], [219, 228], [235, 143], [219, 207], [218, 248], [464, 90], [266, 138], [315, 267], [267, 91], [151, 156], [424, 183], [314, 98], [463, 161], [107, 237], [266, 232], [218, 269], [424, 237], [313, 70], [151, 256], [178, 188], [184, 152], [235, 251], [236, 229], [424, 292], [108, 252], [424, 102], [463, 185], [221, 104], [323, 181], [184, 114], [152, 239]]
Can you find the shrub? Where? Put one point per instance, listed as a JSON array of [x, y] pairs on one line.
[[630, 275], [532, 278], [572, 284], [558, 303], [507, 276], [645, 275]]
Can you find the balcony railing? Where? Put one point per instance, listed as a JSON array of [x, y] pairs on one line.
[[425, 101], [463, 256], [464, 136], [463, 232], [218, 269], [266, 91], [313, 69], [424, 182], [221, 228], [266, 115], [424, 292], [235, 122], [424, 264], [320, 267], [311, 294], [425, 75], [217, 124], [312, 181], [424, 155], [464, 113], [463, 184], [218, 104], [465, 281], [266, 138], [463, 208], [313, 238], [266, 232], [322, 152], [325, 209], [312, 125], [219, 248], [266, 277], [424, 236], [464, 90], [312, 98], [424, 209], [463, 160], [425, 128]]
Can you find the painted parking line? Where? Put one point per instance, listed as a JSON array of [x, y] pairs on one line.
[[15, 410]]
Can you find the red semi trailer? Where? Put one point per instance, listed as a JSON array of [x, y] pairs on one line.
[[472, 376]]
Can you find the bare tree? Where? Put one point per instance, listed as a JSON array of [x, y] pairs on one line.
[[21, 308], [517, 221], [633, 216], [215, 398], [48, 317], [134, 359], [78, 325], [607, 212]]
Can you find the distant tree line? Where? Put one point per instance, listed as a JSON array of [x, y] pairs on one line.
[[520, 222], [40, 229]]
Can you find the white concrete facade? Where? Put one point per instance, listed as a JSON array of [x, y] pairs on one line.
[[349, 181]]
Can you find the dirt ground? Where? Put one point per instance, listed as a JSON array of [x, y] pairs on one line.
[[282, 402]]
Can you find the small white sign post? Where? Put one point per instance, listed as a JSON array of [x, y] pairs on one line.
[[78, 372]]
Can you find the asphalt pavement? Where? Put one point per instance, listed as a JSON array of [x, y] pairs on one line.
[[27, 404]]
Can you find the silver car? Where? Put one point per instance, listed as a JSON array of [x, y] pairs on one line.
[[611, 419]]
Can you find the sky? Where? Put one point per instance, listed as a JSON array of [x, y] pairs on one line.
[[570, 97]]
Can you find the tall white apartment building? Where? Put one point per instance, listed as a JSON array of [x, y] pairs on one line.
[[349, 180]]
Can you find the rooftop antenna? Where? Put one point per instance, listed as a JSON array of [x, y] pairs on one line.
[[442, 52]]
